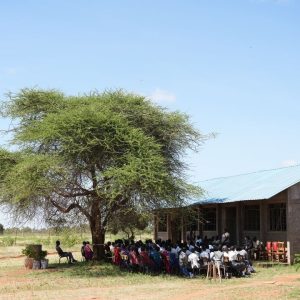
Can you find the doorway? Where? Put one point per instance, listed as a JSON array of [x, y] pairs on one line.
[[176, 231], [231, 223]]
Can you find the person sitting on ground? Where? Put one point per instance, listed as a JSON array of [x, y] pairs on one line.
[[82, 250], [88, 252], [61, 253]]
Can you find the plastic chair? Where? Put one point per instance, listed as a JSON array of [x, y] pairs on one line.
[[63, 256], [269, 251], [280, 252]]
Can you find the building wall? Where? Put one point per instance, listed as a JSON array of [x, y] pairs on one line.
[[293, 220], [274, 235], [161, 235], [291, 236]]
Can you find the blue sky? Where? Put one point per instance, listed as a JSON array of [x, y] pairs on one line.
[[233, 66]]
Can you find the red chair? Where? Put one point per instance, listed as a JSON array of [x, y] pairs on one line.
[[269, 251], [275, 251], [279, 252]]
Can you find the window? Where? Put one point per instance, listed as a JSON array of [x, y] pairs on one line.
[[162, 222], [277, 217], [209, 219], [251, 217]]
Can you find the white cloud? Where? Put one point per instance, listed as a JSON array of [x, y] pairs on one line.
[[289, 163], [162, 96]]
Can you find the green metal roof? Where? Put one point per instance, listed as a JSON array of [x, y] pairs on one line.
[[252, 186]]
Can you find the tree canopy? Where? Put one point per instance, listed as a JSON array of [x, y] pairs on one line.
[[99, 154]]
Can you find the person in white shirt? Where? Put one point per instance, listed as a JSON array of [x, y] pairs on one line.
[[183, 263], [232, 254], [243, 253], [238, 267], [193, 259], [204, 254], [111, 248]]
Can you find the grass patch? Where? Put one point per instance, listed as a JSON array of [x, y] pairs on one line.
[[294, 294], [86, 280]]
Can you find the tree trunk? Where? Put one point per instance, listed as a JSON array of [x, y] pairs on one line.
[[98, 240], [98, 236]]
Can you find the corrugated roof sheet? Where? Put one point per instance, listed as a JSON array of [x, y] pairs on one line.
[[252, 186]]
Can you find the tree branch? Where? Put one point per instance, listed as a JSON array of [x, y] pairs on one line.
[[69, 208]]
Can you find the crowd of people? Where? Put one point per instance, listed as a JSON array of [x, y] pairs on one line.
[[187, 259]]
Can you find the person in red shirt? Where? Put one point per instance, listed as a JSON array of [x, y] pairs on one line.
[[145, 261], [117, 255]]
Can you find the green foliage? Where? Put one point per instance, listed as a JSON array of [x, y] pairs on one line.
[[31, 252], [99, 154], [43, 254], [70, 240], [47, 241], [1, 229], [128, 221], [7, 241], [297, 261]]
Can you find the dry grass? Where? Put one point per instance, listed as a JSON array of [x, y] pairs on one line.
[[104, 281]]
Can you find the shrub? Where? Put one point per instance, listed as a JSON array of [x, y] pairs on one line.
[[31, 252], [8, 241], [45, 242], [70, 240]]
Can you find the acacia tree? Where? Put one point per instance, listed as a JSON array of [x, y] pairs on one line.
[[128, 222], [99, 154]]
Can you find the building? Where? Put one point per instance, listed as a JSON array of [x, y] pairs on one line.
[[264, 204]]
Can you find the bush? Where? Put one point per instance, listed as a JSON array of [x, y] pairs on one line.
[[45, 242], [69, 240], [31, 252], [7, 241]]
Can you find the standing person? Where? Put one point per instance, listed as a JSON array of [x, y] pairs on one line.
[[225, 237], [61, 253], [117, 259]]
